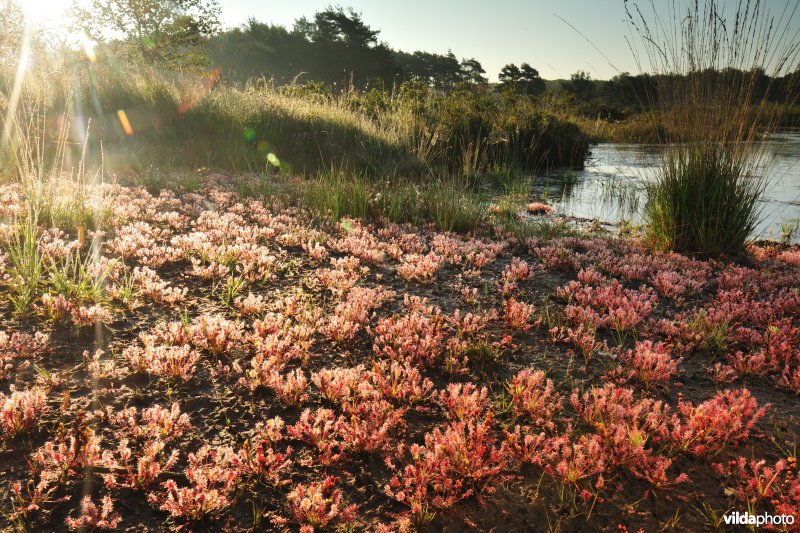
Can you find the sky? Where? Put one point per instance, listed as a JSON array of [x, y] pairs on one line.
[[557, 37], [494, 32]]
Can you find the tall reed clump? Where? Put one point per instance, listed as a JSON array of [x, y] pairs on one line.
[[705, 198]]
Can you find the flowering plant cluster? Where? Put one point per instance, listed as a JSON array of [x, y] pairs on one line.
[[320, 504], [359, 242], [353, 313], [464, 401], [21, 410], [345, 274], [155, 289], [651, 364], [212, 475], [93, 518], [455, 463], [177, 363], [415, 337], [534, 396], [517, 270], [420, 268], [608, 305], [727, 418], [407, 366], [760, 485], [20, 349], [59, 309], [518, 315], [259, 457]]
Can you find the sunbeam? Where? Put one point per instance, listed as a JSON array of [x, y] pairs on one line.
[[22, 64]]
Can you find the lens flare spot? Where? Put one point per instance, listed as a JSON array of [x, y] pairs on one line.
[[262, 146], [273, 160], [126, 124], [250, 134], [88, 48]]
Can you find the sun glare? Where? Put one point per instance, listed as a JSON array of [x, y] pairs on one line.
[[51, 14]]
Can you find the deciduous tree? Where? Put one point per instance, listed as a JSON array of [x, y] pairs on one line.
[[172, 32]]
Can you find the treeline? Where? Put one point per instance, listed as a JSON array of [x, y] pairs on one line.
[[338, 48], [625, 95]]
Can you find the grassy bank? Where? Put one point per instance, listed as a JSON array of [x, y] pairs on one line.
[[410, 155], [191, 120]]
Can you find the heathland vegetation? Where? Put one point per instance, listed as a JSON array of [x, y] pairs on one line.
[[327, 101], [250, 280]]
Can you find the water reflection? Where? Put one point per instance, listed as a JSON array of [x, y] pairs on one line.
[[611, 188]]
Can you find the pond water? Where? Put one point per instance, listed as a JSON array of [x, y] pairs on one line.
[[611, 187]]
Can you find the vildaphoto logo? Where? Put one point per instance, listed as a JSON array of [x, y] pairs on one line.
[[758, 520]]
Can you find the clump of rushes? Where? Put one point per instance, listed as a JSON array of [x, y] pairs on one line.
[[27, 267], [715, 69]]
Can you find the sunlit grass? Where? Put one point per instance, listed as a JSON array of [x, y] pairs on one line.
[[27, 266]]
